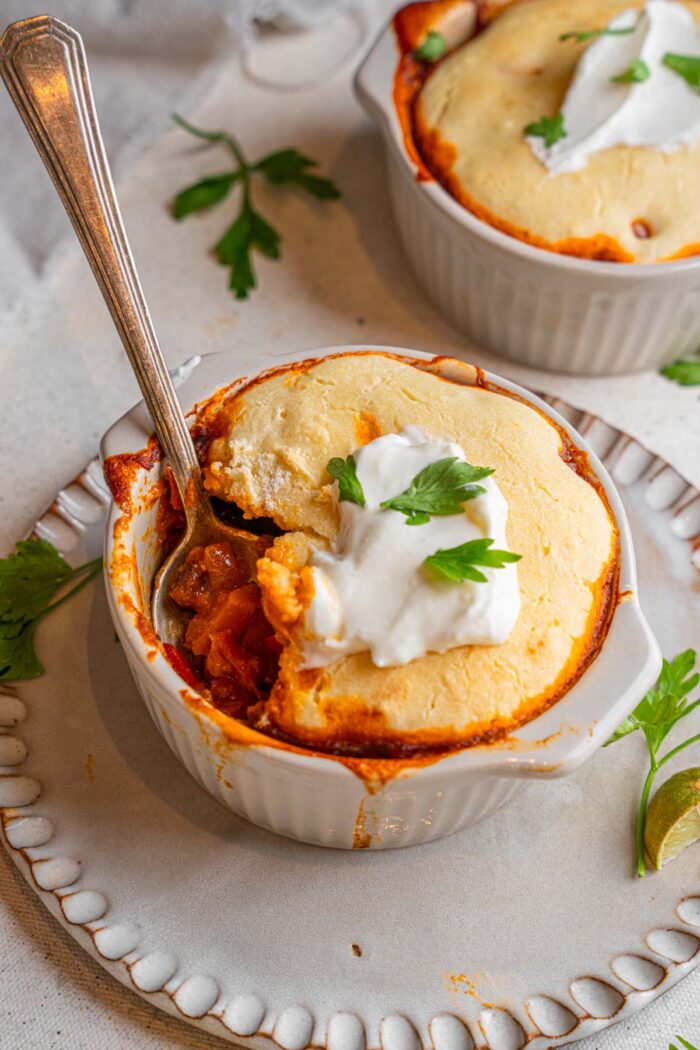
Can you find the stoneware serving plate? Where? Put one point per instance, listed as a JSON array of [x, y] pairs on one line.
[[526, 929]]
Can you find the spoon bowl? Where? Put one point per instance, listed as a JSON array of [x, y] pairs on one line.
[[204, 528]]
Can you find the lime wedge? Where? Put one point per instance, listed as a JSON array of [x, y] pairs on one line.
[[673, 817]]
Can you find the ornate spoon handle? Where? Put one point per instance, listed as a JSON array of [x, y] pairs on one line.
[[42, 62]]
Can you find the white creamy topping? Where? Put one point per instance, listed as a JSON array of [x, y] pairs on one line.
[[371, 590], [663, 111]]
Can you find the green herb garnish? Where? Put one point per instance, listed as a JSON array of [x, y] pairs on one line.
[[591, 34], [433, 47], [440, 488], [457, 563], [636, 73], [345, 473], [685, 372], [687, 66], [656, 715], [28, 581], [250, 231], [551, 129], [685, 1045]]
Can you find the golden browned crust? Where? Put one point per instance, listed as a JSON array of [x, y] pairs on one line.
[[274, 439]]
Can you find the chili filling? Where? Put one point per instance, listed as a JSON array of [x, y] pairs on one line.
[[229, 643]]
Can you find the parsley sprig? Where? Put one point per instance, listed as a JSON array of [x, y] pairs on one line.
[[551, 129], [685, 372], [349, 486], [457, 564], [29, 579], [655, 716], [636, 73], [591, 34], [439, 489], [687, 66], [250, 231]]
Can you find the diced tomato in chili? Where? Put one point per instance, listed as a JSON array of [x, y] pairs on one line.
[[232, 644], [225, 570], [191, 590], [180, 665]]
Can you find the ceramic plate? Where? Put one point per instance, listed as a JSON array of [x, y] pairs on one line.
[[527, 928]]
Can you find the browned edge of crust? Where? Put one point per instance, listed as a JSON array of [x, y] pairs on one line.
[[389, 747]]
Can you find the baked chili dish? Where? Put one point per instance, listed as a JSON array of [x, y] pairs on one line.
[[259, 651]]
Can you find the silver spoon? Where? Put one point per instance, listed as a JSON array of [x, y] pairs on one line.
[[43, 64]]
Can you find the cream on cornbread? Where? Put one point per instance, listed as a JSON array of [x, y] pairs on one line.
[[635, 202], [273, 440]]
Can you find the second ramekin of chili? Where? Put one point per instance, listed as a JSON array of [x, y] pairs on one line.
[[535, 306]]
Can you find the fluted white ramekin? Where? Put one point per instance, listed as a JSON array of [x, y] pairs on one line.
[[533, 306], [318, 798]]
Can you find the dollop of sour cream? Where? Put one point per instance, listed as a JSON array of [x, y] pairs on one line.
[[371, 591], [662, 112]]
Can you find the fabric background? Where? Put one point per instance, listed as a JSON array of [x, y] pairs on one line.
[[343, 278]]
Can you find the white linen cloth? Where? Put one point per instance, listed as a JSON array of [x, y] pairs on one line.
[[342, 278]]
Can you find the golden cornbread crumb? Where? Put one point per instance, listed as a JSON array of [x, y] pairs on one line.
[[470, 117], [275, 439]]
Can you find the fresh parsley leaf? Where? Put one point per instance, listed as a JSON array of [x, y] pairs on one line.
[[629, 725], [551, 129], [345, 473], [29, 579], [417, 517], [684, 372], [233, 250], [265, 238], [18, 660], [250, 230], [676, 677], [440, 488], [591, 34], [457, 563], [290, 167], [204, 194], [687, 66], [636, 73], [655, 716], [432, 48], [665, 704]]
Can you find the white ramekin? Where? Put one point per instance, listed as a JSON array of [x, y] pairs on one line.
[[316, 798], [533, 306]]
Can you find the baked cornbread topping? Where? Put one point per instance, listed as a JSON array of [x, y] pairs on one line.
[[573, 127], [269, 455]]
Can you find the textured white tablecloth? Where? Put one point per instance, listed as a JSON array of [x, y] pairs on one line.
[[64, 378]]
